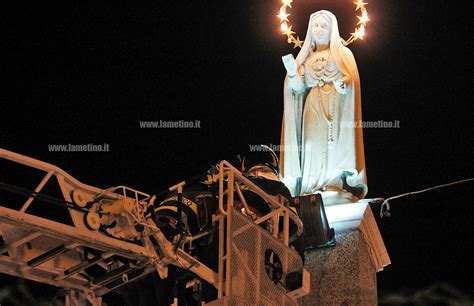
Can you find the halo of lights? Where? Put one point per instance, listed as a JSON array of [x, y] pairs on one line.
[[358, 33]]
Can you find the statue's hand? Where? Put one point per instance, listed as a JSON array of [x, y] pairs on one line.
[[340, 86], [290, 64]]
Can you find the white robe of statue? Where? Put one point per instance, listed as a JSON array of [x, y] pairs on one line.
[[321, 131]]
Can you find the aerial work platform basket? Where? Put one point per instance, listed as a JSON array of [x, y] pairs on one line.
[[111, 240]]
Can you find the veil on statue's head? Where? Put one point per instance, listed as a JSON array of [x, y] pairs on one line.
[[338, 50]]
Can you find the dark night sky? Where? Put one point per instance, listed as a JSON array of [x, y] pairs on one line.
[[88, 71]]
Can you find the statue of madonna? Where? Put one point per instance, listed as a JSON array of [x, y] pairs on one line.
[[321, 132]]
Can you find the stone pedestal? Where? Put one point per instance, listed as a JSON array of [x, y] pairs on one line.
[[346, 273]]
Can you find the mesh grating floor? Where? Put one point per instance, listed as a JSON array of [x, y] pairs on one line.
[[259, 265]]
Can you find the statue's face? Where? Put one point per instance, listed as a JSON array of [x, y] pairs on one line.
[[321, 30]]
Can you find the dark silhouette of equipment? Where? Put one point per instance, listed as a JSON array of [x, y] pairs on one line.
[[317, 232]]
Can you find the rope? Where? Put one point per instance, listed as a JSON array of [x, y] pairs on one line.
[[385, 209]]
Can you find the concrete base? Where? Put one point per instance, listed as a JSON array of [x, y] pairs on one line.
[[346, 273], [343, 274]]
